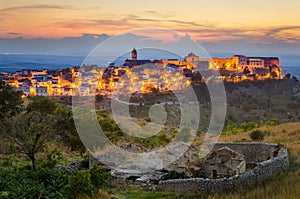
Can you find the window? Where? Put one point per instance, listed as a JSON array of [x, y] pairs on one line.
[[214, 174]]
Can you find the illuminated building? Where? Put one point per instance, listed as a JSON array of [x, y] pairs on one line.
[[142, 76]]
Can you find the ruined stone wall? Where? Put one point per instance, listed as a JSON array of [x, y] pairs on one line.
[[263, 170], [252, 151]]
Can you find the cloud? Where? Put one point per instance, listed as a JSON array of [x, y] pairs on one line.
[[92, 23], [150, 12], [288, 34], [35, 6], [202, 31], [267, 36], [13, 33], [128, 22], [280, 29], [175, 22]]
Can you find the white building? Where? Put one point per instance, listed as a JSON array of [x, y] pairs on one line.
[[241, 61], [254, 63], [42, 91]]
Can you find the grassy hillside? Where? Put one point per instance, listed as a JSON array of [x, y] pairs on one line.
[[283, 186], [287, 134]]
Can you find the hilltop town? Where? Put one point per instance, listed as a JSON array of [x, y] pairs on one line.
[[136, 75]]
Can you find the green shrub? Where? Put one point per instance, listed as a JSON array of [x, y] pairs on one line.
[[248, 126], [54, 181], [162, 137], [148, 119], [232, 129], [107, 125], [99, 176], [272, 122], [257, 135], [76, 144], [8, 161], [80, 184], [45, 183]]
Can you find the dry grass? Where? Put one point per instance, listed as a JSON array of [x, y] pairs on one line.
[[287, 134], [99, 194], [283, 186], [286, 185]]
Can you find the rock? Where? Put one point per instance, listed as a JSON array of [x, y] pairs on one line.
[[74, 166]]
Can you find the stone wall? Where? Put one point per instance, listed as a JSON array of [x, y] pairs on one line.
[[252, 151], [263, 170]]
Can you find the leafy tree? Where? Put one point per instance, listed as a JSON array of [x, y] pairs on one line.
[[11, 102], [44, 105], [288, 76], [63, 122], [29, 133], [65, 128], [53, 158]]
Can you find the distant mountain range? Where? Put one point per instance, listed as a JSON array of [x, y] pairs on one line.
[[84, 44], [64, 46], [38, 53], [14, 62]]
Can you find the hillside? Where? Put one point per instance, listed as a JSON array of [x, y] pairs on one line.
[[285, 185], [287, 134]]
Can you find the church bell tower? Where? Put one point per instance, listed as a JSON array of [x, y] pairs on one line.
[[133, 54]]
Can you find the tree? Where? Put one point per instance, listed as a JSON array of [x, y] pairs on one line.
[[288, 76], [44, 105], [295, 79], [63, 122], [11, 102], [246, 71], [29, 133]]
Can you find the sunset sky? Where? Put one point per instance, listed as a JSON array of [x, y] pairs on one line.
[[259, 21]]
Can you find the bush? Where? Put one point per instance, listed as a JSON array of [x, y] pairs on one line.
[[99, 176], [232, 129], [76, 144], [272, 122], [54, 181], [248, 126], [148, 119], [162, 137], [257, 135], [80, 184], [45, 183], [107, 125]]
